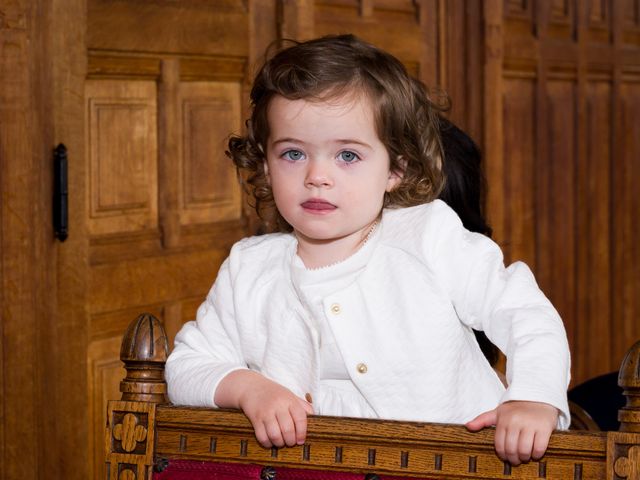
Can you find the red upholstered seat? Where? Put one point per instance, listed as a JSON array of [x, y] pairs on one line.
[[196, 470]]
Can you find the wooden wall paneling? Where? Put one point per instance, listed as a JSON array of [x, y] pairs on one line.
[[452, 58], [554, 237], [192, 27], [626, 212], [264, 27], [432, 43], [592, 325], [104, 373], [296, 20], [438, 41], [207, 187], [122, 147], [473, 78], [559, 18], [402, 33], [443, 53], [598, 16], [626, 15], [108, 324], [519, 170], [593, 304], [171, 83], [625, 172], [493, 139], [169, 152], [153, 280], [584, 58]]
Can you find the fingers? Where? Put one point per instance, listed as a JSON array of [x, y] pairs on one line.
[[499, 442], [300, 421], [261, 434], [517, 446], [483, 420], [520, 445], [540, 444], [287, 430], [523, 431], [285, 427]]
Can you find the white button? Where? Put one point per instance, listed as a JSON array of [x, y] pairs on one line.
[[335, 308], [361, 367]]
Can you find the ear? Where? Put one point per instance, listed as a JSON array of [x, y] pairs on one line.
[[396, 175]]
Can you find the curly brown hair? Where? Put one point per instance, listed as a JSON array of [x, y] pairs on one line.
[[406, 116]]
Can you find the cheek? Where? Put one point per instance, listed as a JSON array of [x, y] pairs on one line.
[[283, 191]]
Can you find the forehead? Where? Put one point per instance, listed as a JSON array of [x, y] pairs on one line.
[[351, 111]]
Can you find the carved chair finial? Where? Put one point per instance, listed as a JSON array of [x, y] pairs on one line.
[[144, 352], [629, 380]]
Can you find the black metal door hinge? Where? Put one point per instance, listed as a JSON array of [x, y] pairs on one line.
[[60, 193]]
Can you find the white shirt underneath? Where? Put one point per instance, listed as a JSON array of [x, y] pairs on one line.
[[337, 395]]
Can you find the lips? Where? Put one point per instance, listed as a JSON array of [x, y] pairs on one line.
[[318, 205]]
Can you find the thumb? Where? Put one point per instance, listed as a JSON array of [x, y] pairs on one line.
[[485, 419]]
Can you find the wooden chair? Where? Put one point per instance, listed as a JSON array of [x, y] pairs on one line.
[[147, 437]]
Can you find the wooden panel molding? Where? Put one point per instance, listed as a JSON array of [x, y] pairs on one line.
[[184, 275], [104, 373], [169, 27], [211, 67], [209, 192], [519, 17], [593, 258], [625, 213], [119, 65], [556, 160], [519, 9], [630, 13], [518, 230], [389, 10], [104, 325], [561, 19], [598, 13], [122, 146]]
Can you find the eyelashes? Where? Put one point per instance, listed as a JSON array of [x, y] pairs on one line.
[[293, 155], [347, 157]]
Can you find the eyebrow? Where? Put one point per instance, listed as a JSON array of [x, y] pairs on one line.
[[342, 141]]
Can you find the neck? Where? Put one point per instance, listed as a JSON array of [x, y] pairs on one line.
[[323, 253]]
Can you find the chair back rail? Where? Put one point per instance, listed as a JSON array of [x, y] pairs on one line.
[[144, 433]]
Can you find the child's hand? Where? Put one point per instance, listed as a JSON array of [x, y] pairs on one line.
[[278, 416], [522, 429]]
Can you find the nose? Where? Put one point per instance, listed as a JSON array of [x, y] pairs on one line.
[[318, 175]]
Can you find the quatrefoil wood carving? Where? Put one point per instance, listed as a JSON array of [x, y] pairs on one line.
[[127, 475], [624, 466], [129, 432]]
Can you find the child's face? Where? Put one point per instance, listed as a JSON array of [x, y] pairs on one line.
[[326, 165]]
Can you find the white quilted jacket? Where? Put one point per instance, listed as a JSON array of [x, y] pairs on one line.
[[406, 318]]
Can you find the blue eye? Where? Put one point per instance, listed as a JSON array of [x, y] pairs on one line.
[[348, 156], [293, 155]]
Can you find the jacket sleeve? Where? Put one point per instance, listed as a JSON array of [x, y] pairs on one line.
[[207, 349], [509, 306]]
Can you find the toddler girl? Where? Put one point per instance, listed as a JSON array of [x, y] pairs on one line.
[[362, 301]]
